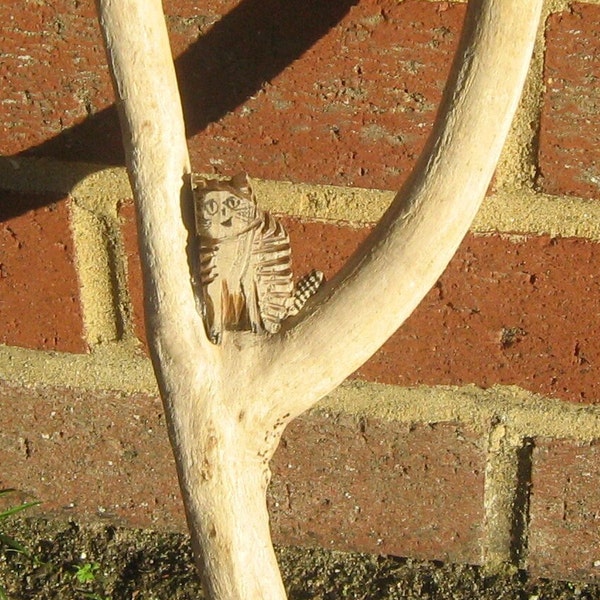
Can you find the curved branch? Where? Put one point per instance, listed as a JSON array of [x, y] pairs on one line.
[[392, 271]]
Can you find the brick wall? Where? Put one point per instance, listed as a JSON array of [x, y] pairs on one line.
[[472, 435]]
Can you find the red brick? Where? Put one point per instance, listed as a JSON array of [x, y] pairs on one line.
[[380, 487], [330, 92], [569, 149], [90, 456], [321, 92], [514, 311], [564, 530], [54, 77], [38, 282], [337, 481]]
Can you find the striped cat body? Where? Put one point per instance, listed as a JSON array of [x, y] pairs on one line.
[[244, 275]]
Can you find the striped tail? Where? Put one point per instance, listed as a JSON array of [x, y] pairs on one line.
[[307, 286]]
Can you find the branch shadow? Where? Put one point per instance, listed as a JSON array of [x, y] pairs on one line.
[[228, 64], [250, 46]]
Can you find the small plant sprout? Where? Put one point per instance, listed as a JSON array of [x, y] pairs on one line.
[[8, 543]]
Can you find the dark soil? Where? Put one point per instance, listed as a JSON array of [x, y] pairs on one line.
[[70, 561]]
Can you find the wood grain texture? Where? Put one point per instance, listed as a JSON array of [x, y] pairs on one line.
[[227, 405]]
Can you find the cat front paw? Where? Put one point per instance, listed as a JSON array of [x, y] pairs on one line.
[[256, 327], [216, 336]]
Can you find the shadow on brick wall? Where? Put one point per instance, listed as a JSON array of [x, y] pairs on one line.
[[249, 46]]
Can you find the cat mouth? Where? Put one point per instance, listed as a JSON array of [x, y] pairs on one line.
[[227, 223]]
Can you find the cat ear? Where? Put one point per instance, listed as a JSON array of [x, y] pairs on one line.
[[241, 182], [198, 183]]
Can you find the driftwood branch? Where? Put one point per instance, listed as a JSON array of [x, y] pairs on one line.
[[227, 405]]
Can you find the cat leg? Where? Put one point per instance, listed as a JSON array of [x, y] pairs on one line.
[[252, 306], [213, 305]]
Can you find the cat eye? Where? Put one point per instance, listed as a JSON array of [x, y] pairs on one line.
[[232, 202], [211, 206]]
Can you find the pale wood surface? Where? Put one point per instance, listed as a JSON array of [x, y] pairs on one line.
[[227, 405]]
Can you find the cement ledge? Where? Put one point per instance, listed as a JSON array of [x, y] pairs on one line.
[[122, 368], [508, 211]]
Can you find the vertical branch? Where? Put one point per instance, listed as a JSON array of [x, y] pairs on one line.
[[221, 456], [158, 165]]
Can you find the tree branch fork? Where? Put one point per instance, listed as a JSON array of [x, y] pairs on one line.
[[227, 405]]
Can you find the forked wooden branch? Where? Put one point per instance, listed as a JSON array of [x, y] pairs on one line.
[[227, 405]]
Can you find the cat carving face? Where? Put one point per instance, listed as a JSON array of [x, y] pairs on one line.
[[224, 209]]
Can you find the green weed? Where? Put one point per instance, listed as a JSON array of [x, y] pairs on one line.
[[87, 574], [7, 542]]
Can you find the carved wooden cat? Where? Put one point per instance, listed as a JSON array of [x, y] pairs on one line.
[[244, 272]]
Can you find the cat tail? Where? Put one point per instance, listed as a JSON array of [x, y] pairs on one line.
[[306, 287]]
